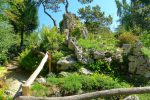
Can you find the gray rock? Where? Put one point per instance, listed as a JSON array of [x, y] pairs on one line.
[[66, 63], [99, 55], [126, 48], [85, 71], [71, 43], [84, 32], [63, 74], [41, 80], [132, 97], [51, 74], [131, 58], [109, 60]]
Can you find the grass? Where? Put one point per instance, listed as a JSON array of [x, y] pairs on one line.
[[3, 71], [100, 42], [74, 82], [146, 52]]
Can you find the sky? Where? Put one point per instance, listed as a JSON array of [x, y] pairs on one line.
[[107, 6]]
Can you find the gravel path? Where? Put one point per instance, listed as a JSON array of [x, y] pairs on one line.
[[14, 80]]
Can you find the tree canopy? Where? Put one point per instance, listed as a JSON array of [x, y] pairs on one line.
[[22, 14], [94, 18]]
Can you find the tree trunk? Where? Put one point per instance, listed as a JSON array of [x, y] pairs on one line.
[[93, 95], [66, 7], [54, 21], [21, 42]]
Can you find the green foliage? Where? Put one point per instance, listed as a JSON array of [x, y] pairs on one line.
[[127, 38], [56, 55], [102, 42], [145, 39], [101, 66], [32, 40], [75, 82], [39, 90], [22, 14], [51, 39], [95, 19], [7, 39], [146, 51], [134, 16], [3, 71], [29, 60]]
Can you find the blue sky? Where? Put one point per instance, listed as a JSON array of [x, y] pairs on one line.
[[107, 6]]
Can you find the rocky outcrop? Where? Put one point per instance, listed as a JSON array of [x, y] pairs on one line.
[[66, 63], [69, 21], [81, 55], [138, 63]]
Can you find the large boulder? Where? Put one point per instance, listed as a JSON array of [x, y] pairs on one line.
[[66, 63]]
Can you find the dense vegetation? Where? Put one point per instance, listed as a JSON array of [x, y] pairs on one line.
[[19, 38]]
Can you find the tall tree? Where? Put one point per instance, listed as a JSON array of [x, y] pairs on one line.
[[135, 14], [94, 18], [66, 3], [22, 14], [50, 5]]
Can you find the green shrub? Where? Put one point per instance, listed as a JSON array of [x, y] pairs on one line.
[[29, 60], [145, 39], [100, 66], [56, 55], [146, 51], [51, 39], [7, 39], [102, 42], [39, 90], [32, 40], [127, 38], [75, 82]]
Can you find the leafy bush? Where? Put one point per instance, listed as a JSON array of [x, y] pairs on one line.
[[32, 40], [146, 51], [56, 55], [102, 42], [39, 90], [51, 39], [29, 60], [145, 38], [127, 38], [6, 40], [100, 66], [75, 82]]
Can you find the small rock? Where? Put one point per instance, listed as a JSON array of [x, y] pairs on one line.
[[51, 74], [131, 97], [109, 60], [41, 80], [63, 74], [85, 71]]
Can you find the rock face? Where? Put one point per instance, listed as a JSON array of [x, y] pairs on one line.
[[66, 63], [81, 55], [138, 63], [69, 21], [85, 71]]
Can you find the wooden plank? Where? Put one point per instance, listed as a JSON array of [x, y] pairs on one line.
[[49, 62], [25, 90], [92, 95], [37, 71]]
